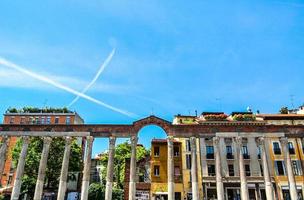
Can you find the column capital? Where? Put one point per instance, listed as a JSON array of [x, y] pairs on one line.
[[68, 140], [193, 140], [26, 139], [5, 139], [216, 140], [47, 140], [170, 138], [134, 139], [260, 140], [112, 140], [284, 140], [238, 140]]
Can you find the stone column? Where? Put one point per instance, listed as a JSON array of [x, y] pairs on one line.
[[86, 169], [20, 169], [132, 183], [288, 166], [194, 174], [3, 151], [267, 178], [257, 192], [218, 170], [64, 170], [110, 168], [42, 168], [171, 194], [244, 187]]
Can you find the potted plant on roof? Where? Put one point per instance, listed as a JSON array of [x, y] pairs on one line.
[[215, 117], [243, 117]]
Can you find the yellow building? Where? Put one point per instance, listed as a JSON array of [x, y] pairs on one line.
[[296, 151], [159, 176], [186, 157]]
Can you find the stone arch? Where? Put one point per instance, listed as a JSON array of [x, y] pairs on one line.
[[152, 120]]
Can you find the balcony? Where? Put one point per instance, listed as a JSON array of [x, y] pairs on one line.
[[178, 178], [210, 156], [277, 151], [291, 151], [246, 156], [229, 156]]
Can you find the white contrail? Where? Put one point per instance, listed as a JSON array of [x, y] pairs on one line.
[[101, 69], [21, 69]]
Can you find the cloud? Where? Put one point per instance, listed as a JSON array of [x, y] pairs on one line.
[[58, 85], [12, 79], [101, 69]]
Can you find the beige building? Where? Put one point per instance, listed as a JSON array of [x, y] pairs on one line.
[[221, 170]]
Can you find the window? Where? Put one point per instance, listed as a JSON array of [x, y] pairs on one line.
[[42, 120], [262, 171], [279, 167], [176, 151], [188, 161], [68, 120], [156, 170], [276, 148], [245, 152], [56, 120], [156, 151], [48, 121], [229, 152], [22, 121], [12, 120], [291, 148], [31, 119], [231, 170], [210, 152], [211, 170], [37, 120], [9, 181], [259, 152], [188, 145], [247, 170], [296, 167], [177, 171]]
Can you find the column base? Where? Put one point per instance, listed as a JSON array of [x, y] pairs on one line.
[[85, 190], [171, 194], [62, 190], [132, 190], [108, 195]]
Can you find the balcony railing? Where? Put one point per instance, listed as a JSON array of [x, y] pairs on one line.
[[229, 156], [277, 151], [292, 151], [210, 156], [246, 156]]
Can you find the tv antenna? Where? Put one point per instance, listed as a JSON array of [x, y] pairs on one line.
[[292, 101], [45, 103]]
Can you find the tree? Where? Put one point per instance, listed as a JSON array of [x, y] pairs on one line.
[[53, 165], [284, 110], [122, 152]]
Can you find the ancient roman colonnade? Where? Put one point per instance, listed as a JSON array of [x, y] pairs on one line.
[[215, 130]]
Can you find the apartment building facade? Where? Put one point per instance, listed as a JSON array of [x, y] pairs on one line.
[[219, 155]]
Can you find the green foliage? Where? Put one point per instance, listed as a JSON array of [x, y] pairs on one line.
[[244, 117], [284, 110], [122, 152], [53, 165], [215, 117], [29, 109], [97, 191]]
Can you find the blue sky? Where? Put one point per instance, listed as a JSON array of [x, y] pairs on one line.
[[171, 56]]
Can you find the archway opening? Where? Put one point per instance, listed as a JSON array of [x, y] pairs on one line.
[[150, 132]]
